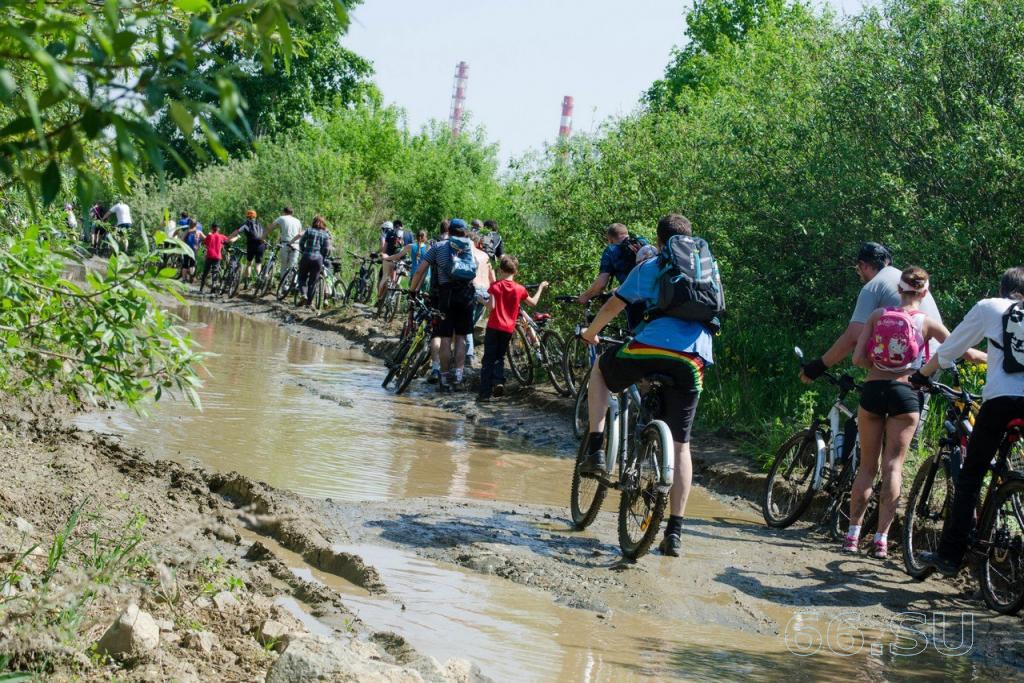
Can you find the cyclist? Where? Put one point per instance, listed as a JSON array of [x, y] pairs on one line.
[[193, 237], [255, 246], [284, 229], [214, 243], [494, 246], [122, 216], [617, 261], [183, 219], [893, 343], [481, 284], [315, 247], [455, 300], [415, 251], [1000, 320], [665, 345], [390, 244]]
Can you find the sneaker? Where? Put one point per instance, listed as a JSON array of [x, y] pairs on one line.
[[851, 544], [498, 391], [435, 377], [936, 561], [879, 550], [672, 544], [593, 463]]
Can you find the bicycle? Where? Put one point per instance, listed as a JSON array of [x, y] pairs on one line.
[[391, 303], [288, 282], [998, 540], [413, 352], [230, 275], [265, 276], [577, 355], [642, 450], [361, 288], [324, 289], [535, 341], [822, 457]]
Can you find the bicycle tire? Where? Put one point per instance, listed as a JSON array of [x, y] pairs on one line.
[[584, 513], [235, 283], [520, 360], [395, 362], [1004, 538], [575, 362], [838, 520], [350, 293], [652, 446], [284, 287], [928, 502], [581, 411], [365, 292], [413, 369], [318, 295], [551, 347], [803, 464]]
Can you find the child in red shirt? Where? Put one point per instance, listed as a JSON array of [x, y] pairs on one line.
[[506, 296], [214, 243]]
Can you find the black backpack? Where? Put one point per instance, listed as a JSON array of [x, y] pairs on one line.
[[1012, 345], [689, 285], [391, 240], [625, 258], [256, 230]]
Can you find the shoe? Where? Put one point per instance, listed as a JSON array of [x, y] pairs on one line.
[[498, 391], [593, 463], [435, 377], [938, 562], [851, 544], [672, 544], [879, 550]]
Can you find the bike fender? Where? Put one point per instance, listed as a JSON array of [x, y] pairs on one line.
[[668, 453], [612, 434], [821, 452]]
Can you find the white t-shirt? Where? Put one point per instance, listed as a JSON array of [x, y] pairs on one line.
[[290, 227], [122, 214], [72, 221], [983, 321]]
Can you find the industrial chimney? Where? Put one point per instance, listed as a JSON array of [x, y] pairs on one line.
[[458, 98], [565, 129]]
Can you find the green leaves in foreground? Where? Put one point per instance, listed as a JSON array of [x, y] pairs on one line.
[[90, 334]]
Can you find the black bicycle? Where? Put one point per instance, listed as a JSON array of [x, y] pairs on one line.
[[997, 543], [360, 289], [578, 356], [389, 306], [413, 353]]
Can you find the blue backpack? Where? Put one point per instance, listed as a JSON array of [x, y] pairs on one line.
[[463, 265]]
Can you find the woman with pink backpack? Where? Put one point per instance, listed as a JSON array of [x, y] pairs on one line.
[[893, 344]]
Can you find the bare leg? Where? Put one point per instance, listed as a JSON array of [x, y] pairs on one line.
[[460, 352], [871, 427], [899, 431], [435, 350], [681, 480], [598, 396], [445, 349]]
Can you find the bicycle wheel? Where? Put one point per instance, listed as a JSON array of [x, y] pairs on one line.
[[318, 295], [551, 348], [412, 369], [284, 287], [394, 363], [641, 503], [233, 285], [581, 414], [1002, 536], [520, 358], [838, 517], [575, 362], [350, 292], [789, 487], [927, 509], [587, 494], [364, 292]]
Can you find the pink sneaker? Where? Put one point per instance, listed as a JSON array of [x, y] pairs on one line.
[[850, 544], [879, 550]]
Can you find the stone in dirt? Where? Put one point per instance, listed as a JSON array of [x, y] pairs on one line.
[[272, 631], [133, 632], [324, 659], [204, 641], [225, 601]]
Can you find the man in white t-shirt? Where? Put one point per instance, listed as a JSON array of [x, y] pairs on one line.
[[284, 229], [122, 215]]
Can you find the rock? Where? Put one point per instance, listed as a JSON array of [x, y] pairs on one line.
[[23, 526], [204, 641], [257, 552], [225, 601], [224, 533], [272, 632], [134, 631], [165, 625], [319, 658], [203, 602]]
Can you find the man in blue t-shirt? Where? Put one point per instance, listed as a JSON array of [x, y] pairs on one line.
[[617, 261], [680, 349]]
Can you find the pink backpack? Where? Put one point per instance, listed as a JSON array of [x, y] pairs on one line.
[[896, 342]]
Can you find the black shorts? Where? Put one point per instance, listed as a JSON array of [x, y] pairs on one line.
[[255, 251], [457, 305], [188, 262], [889, 397], [627, 364]]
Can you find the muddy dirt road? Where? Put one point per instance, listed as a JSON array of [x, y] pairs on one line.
[[468, 530]]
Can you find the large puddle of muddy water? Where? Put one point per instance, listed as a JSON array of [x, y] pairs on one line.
[[314, 420]]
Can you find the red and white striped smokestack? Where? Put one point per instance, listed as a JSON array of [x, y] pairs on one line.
[[458, 98], [565, 129]]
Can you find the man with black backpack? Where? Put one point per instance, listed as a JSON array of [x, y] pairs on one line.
[[390, 244], [255, 245], [454, 269], [682, 294], [617, 261]]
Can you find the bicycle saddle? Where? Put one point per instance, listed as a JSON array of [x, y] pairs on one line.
[[542, 317], [663, 380], [1015, 427]]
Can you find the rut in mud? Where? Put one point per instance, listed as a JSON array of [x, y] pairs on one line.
[[466, 526]]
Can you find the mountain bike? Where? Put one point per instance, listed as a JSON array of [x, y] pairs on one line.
[[324, 289], [821, 457], [230, 275], [265, 276], [535, 346], [391, 303], [413, 352], [288, 282], [997, 543], [641, 450], [361, 288], [578, 356]]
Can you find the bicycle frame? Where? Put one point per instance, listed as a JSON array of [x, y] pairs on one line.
[[620, 407]]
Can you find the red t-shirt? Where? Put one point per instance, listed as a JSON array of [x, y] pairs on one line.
[[214, 243], [506, 295]]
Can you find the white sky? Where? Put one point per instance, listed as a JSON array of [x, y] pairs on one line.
[[524, 56]]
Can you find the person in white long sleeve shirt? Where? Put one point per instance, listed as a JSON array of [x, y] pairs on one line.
[[1003, 402]]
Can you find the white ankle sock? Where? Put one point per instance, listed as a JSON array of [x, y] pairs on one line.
[[881, 538], [854, 531], [435, 366]]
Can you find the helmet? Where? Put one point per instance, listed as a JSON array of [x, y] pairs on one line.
[[387, 225], [250, 214]]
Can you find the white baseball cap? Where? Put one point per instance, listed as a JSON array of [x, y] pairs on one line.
[[387, 225]]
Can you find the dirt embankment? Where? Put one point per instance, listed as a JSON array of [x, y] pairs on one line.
[[115, 565]]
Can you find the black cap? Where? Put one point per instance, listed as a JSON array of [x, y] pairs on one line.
[[873, 252]]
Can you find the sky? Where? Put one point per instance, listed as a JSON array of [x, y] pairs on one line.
[[524, 56]]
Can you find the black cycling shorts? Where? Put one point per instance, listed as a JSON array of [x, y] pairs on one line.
[[457, 305], [254, 250], [627, 364], [889, 397], [188, 262]]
